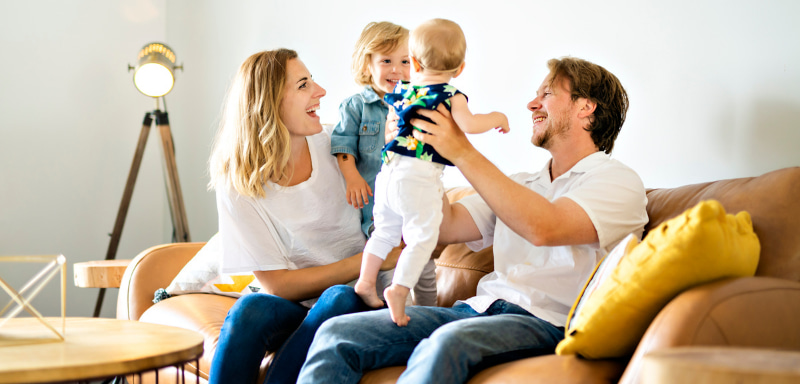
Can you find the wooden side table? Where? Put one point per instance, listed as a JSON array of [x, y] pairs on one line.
[[99, 274], [93, 348], [719, 365]]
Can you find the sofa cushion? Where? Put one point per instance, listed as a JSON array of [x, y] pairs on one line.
[[201, 275], [202, 313], [701, 245]]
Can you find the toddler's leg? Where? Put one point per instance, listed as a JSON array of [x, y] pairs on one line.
[[396, 296], [365, 286]]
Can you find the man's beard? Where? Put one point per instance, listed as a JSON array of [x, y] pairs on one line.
[[555, 127]]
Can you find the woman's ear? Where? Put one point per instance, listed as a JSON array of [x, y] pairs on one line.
[[415, 65]]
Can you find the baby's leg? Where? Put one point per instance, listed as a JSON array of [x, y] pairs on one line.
[[396, 299], [365, 286]]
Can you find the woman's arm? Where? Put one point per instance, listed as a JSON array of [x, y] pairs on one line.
[[306, 283]]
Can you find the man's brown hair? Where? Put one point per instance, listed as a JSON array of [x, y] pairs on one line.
[[595, 83]]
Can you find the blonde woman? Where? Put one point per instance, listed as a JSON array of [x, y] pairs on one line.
[[282, 215]]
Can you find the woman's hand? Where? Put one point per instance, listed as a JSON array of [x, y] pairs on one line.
[[443, 134], [391, 126]]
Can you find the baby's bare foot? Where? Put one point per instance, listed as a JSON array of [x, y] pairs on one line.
[[395, 297], [368, 293]]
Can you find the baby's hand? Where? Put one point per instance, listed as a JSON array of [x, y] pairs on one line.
[[504, 128], [358, 192]]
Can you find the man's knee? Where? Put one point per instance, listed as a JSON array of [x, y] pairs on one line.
[[333, 329]]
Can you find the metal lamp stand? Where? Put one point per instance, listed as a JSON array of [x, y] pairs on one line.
[[177, 210]]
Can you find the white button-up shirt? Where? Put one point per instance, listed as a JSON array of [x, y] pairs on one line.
[[547, 280]]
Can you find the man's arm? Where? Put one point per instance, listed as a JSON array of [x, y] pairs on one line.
[[543, 223], [457, 226]]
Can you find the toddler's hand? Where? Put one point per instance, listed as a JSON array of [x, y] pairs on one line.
[[358, 192]]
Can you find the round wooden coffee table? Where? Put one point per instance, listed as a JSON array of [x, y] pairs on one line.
[[93, 348]]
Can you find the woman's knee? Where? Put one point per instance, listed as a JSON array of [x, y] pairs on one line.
[[339, 299], [256, 310]]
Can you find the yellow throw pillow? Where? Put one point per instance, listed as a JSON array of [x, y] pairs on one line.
[[700, 245]]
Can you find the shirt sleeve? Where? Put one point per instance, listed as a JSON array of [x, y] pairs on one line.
[[615, 200], [484, 218], [344, 138], [249, 241]]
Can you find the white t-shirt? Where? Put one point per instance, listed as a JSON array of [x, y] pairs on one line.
[[547, 280], [305, 225]]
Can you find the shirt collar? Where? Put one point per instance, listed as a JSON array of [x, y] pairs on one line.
[[582, 166], [369, 94]]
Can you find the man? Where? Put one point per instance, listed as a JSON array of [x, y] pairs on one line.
[[549, 229]]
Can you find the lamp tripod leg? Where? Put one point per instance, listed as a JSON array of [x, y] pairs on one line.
[[177, 209], [126, 202]]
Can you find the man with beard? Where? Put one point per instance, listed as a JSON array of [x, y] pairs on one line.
[[549, 229]]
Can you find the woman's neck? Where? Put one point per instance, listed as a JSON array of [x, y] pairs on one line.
[[300, 166]]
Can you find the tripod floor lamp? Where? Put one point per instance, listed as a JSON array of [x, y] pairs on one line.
[[153, 76]]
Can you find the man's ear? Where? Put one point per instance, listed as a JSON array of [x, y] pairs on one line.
[[587, 107], [460, 69], [415, 64]]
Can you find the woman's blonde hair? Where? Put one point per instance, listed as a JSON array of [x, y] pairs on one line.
[[377, 37], [252, 145], [438, 45]]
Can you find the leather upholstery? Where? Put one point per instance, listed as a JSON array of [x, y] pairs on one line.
[[757, 311]]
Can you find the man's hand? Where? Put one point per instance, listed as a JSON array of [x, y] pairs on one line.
[[358, 191], [444, 135], [391, 126], [391, 258]]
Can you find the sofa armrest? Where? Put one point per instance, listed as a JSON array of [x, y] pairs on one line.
[[152, 269], [758, 312]]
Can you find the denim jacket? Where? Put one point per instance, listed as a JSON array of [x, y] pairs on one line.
[[360, 133]]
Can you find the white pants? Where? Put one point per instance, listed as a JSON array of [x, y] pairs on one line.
[[408, 204]]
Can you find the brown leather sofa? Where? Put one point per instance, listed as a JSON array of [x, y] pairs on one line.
[[761, 311]]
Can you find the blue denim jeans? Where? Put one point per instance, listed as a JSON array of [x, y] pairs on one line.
[[439, 345], [259, 322]]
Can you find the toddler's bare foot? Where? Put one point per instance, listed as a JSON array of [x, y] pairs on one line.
[[395, 297], [368, 293]]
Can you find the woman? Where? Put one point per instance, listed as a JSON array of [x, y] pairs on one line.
[[282, 215]]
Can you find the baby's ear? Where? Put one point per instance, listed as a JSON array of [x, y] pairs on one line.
[[460, 69], [415, 64]]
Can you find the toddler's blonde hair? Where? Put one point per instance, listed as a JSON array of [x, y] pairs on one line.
[[438, 45], [377, 37]]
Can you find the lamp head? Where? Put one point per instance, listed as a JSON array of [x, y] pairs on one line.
[[154, 73]]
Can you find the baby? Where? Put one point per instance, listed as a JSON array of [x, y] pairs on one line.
[[408, 189]]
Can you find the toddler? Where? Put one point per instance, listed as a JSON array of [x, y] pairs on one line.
[[408, 198], [380, 61]]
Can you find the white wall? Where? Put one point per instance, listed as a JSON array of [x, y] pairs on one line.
[[71, 118], [713, 88]]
